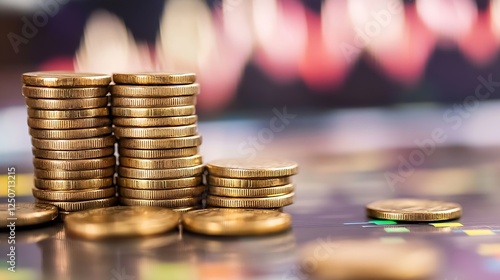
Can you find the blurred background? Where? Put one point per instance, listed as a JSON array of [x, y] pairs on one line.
[[252, 55], [390, 68]]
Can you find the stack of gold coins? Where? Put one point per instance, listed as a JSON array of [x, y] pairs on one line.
[[70, 126], [250, 183], [155, 122]]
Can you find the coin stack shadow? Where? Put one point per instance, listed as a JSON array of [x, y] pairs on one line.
[[232, 184], [70, 125], [155, 122]]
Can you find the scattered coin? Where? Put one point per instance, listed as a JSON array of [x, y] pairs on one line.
[[252, 168], [370, 259], [26, 214], [121, 221], [154, 78], [261, 202], [217, 221], [421, 210], [185, 209]]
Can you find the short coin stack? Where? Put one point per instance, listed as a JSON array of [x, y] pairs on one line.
[[250, 183], [73, 147], [155, 121]]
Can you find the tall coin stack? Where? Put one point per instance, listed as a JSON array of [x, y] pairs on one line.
[[70, 126], [250, 183], [155, 121]]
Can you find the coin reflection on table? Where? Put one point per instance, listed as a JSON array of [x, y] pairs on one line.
[[276, 250], [64, 257]]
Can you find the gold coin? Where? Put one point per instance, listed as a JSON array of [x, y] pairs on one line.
[[413, 210], [65, 79], [261, 202], [73, 195], [155, 122], [153, 112], [161, 194], [234, 222], [155, 154], [160, 163], [74, 175], [66, 185], [161, 173], [154, 91], [157, 144], [183, 210], [155, 132], [153, 102], [158, 184], [74, 144], [154, 78], [75, 164], [68, 114], [72, 206], [170, 203], [68, 124], [121, 221], [254, 192], [70, 133], [67, 104], [26, 214], [252, 168], [64, 93], [369, 259], [248, 183], [81, 154]]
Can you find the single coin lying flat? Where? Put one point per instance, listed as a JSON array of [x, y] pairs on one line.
[[414, 210], [234, 222], [27, 214], [121, 221]]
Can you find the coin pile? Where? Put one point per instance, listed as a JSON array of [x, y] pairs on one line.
[[155, 121], [70, 126], [250, 183]]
